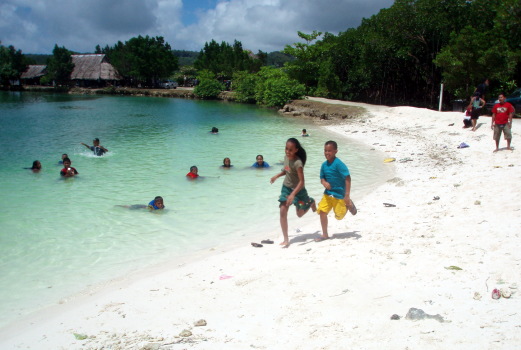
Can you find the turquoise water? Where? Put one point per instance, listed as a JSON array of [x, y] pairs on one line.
[[59, 236]]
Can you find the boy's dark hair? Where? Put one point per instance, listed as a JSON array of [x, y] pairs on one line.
[[35, 165], [301, 153], [65, 154], [96, 139], [259, 155], [158, 197], [332, 143], [193, 167], [66, 160]]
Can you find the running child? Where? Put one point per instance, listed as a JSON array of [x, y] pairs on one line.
[[293, 190], [335, 177]]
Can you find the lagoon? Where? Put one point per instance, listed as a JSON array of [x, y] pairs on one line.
[[61, 236]]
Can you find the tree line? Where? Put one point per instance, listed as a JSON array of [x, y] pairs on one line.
[[399, 56]]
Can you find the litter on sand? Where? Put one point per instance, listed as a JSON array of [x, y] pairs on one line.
[[463, 145], [389, 205]]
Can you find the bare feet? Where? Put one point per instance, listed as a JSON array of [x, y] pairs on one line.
[[284, 244], [497, 149], [321, 238]]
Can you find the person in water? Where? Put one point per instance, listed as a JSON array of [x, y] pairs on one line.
[[67, 170], [260, 163], [293, 190], [63, 157], [227, 163], [304, 132], [193, 174], [155, 204], [214, 131], [96, 148], [36, 167]]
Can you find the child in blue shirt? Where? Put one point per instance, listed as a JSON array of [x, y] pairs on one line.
[[336, 179]]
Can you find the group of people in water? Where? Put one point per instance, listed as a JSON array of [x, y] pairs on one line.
[[68, 170], [334, 176]]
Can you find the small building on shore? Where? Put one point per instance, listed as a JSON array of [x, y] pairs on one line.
[[93, 70], [33, 74]]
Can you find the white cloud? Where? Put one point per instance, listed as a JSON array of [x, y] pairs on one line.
[[268, 25]]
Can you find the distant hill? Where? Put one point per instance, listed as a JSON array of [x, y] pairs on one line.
[[186, 58], [37, 58]]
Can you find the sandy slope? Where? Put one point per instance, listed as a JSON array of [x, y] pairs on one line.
[[341, 293]]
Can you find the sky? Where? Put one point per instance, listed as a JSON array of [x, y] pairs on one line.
[[35, 26]]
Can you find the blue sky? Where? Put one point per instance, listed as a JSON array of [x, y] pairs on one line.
[[35, 26]]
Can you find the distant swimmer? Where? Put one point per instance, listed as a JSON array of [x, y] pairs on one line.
[[36, 167], [260, 163], [67, 170], [304, 133], [63, 157], [96, 148], [155, 204], [214, 131], [193, 174], [227, 163]]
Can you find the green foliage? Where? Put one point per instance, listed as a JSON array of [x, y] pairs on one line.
[[244, 86], [12, 64], [275, 88], [142, 59], [224, 59], [208, 87], [60, 66]]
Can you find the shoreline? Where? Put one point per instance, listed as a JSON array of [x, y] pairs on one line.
[[383, 261]]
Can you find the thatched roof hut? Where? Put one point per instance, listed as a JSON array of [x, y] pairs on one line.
[[34, 71], [93, 68]]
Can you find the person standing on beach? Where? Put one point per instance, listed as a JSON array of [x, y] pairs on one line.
[[293, 190], [336, 179], [96, 148], [482, 88], [502, 114], [476, 103]]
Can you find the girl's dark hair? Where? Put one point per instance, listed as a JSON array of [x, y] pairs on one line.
[[193, 167], [35, 165], [301, 153]]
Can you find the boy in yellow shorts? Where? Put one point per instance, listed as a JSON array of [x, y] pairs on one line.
[[335, 177]]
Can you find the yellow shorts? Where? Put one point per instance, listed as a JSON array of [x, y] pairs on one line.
[[338, 205]]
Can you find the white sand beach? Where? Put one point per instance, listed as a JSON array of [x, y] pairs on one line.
[[452, 236]]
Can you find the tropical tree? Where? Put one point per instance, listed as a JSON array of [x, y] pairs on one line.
[[209, 87], [142, 59], [12, 64], [275, 88], [225, 59], [60, 66]]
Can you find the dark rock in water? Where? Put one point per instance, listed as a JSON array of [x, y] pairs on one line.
[[395, 317], [418, 314]]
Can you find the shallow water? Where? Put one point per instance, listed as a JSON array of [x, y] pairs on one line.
[[58, 236]]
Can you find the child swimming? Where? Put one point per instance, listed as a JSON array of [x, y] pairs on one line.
[[193, 174], [155, 204], [293, 190], [67, 170], [36, 167], [260, 163]]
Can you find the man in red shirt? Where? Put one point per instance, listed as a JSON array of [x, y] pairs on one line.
[[502, 114]]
